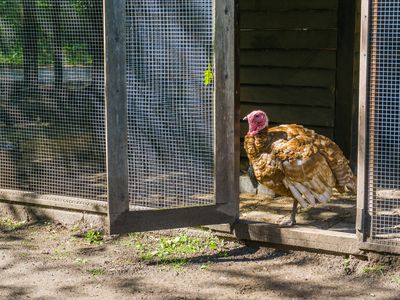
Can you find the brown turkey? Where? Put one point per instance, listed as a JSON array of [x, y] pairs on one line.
[[295, 161]]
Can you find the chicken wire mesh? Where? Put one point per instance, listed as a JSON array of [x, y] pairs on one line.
[[52, 135], [170, 107], [384, 122]]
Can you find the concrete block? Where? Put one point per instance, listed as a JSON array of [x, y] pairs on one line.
[[264, 191], [245, 185]]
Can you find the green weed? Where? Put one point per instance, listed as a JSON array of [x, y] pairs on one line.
[[396, 279], [346, 265], [96, 271], [173, 250], [208, 76], [94, 237], [11, 225], [373, 269], [81, 261]]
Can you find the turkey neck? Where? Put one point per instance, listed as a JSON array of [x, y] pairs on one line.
[[257, 144]]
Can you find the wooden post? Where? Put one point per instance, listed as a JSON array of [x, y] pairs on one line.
[[362, 181], [344, 74], [116, 110], [227, 123]]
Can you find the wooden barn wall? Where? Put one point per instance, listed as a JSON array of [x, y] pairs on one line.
[[288, 61]]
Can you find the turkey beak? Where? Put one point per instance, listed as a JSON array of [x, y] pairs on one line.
[[245, 118]]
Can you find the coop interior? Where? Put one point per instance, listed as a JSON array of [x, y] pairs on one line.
[[299, 61]]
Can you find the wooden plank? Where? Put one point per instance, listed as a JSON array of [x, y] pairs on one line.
[[282, 39], [344, 75], [53, 201], [324, 59], [322, 97], [327, 131], [293, 114], [310, 19], [304, 237], [362, 182], [116, 111], [287, 4], [174, 218], [370, 246], [288, 76], [227, 104]]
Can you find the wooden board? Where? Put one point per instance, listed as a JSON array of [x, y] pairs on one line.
[[285, 95], [288, 76], [291, 114], [272, 19], [327, 131], [294, 58], [287, 4], [281, 39]]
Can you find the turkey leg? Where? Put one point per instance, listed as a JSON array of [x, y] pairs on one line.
[[292, 220]]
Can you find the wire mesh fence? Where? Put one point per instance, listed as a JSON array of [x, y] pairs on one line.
[[384, 122], [52, 135], [52, 124], [170, 106]]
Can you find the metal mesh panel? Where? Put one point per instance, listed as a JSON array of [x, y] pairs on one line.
[[52, 136], [384, 122], [170, 109]]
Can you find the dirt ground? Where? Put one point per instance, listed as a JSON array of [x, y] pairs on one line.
[[341, 209], [49, 261]]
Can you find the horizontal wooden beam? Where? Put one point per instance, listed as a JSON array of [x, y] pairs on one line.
[[287, 4], [53, 201], [281, 39], [146, 220], [303, 237]]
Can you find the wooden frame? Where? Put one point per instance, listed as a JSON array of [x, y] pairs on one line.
[[121, 218], [362, 206]]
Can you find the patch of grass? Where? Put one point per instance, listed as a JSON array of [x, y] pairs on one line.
[[346, 265], [396, 279], [11, 225], [23, 254], [173, 250], [94, 237], [81, 261], [60, 254], [373, 269], [96, 271]]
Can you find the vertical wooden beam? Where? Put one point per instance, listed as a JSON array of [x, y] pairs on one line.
[[116, 110], [362, 182], [344, 74], [227, 123]]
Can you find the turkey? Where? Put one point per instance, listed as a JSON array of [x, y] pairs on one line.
[[295, 161]]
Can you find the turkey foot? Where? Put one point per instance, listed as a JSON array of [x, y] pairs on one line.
[[292, 220]]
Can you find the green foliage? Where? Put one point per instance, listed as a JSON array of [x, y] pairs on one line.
[[11, 225], [208, 76], [14, 57], [396, 279], [173, 250], [81, 261], [346, 265], [96, 271], [94, 237], [374, 269], [77, 54]]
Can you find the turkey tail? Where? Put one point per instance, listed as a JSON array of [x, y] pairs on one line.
[[338, 164]]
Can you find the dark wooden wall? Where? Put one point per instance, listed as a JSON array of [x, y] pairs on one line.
[[288, 63]]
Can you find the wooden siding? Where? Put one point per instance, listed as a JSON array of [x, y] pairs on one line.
[[288, 61]]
